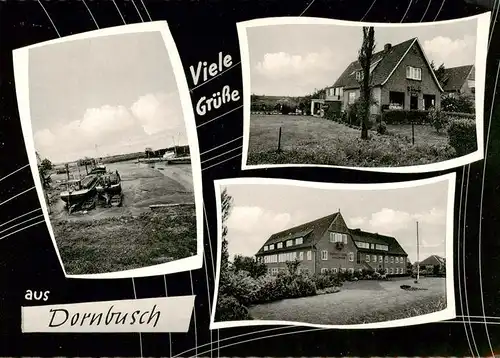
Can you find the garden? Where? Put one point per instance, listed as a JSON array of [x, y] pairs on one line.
[[396, 137]]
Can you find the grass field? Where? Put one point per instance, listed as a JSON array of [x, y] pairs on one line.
[[359, 302], [130, 236], [311, 140]]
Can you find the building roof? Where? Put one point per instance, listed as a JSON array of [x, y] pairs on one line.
[[315, 229], [455, 77], [374, 238], [433, 260], [384, 64], [308, 231]]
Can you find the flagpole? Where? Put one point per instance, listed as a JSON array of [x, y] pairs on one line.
[[418, 257]]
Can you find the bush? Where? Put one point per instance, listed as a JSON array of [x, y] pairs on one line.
[[462, 136], [325, 280], [230, 309], [437, 119], [382, 128], [405, 117], [241, 286], [461, 103], [283, 286]]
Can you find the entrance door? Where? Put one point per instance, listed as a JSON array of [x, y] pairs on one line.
[[429, 101], [413, 102]]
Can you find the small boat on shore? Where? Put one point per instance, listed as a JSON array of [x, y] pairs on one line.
[[109, 183], [79, 189]]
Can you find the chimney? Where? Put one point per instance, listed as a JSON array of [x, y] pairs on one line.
[[387, 48]]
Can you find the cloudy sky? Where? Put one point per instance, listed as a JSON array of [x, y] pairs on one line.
[[104, 96], [294, 60], [262, 210]]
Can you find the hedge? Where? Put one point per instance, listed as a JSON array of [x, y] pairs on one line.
[[462, 136], [405, 117]]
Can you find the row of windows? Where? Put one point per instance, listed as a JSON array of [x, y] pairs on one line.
[[288, 243], [285, 256], [366, 245], [393, 259], [391, 271], [338, 237], [324, 255]]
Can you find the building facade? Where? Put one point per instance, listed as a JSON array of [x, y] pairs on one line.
[[328, 244], [401, 77], [432, 261]]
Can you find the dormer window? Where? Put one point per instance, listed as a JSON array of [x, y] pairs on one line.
[[266, 248], [271, 247], [359, 75], [279, 245], [289, 243], [299, 241]]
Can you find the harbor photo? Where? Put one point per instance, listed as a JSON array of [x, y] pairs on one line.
[[116, 157], [334, 255]]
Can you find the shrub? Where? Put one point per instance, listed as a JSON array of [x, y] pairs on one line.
[[461, 103], [437, 119], [283, 286], [405, 117], [328, 290], [462, 136], [329, 279], [230, 309], [382, 128], [240, 285]]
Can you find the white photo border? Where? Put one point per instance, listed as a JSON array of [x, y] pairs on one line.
[[482, 32], [21, 75], [447, 314]]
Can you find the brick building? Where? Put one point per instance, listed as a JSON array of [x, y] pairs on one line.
[[459, 80], [328, 244], [401, 78]]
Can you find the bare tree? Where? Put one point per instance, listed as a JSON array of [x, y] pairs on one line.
[[365, 60]]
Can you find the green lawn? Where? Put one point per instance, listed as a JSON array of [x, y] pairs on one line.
[[312, 140], [359, 302]]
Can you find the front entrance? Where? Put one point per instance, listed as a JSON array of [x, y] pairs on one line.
[[429, 101], [413, 102]]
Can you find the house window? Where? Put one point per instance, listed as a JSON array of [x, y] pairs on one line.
[[324, 255], [413, 73], [274, 270], [342, 269], [380, 259], [374, 258], [351, 256], [299, 241], [301, 256], [289, 243], [324, 270], [367, 258], [335, 270], [309, 255], [344, 237], [351, 270], [352, 97], [402, 260], [392, 270], [392, 259], [397, 270], [402, 270], [386, 260], [386, 270], [382, 247], [337, 237], [279, 245], [363, 245], [397, 260], [271, 247], [266, 248]]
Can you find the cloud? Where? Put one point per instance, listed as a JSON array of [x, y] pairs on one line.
[[451, 52], [159, 112], [389, 220], [356, 221], [281, 65], [255, 225], [152, 120]]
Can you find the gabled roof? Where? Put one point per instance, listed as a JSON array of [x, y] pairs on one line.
[[433, 260], [373, 238], [308, 231], [455, 77], [387, 62]]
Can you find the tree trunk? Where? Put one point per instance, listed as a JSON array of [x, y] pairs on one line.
[[365, 58]]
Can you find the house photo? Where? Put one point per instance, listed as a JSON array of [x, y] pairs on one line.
[[289, 248], [390, 97]]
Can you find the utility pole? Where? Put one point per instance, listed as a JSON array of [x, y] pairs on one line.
[[418, 258]]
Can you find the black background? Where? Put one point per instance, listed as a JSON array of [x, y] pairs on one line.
[[201, 29]]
